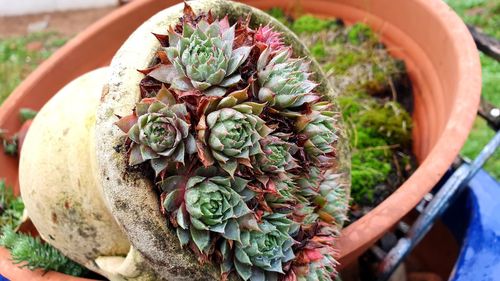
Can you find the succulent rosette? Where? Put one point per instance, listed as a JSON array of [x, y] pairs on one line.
[[262, 254], [319, 127], [328, 194], [248, 184], [209, 204], [267, 36], [284, 198], [203, 58], [277, 155], [159, 130], [284, 81], [318, 265], [332, 199], [230, 135]]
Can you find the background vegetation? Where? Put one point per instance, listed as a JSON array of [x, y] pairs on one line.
[[484, 14]]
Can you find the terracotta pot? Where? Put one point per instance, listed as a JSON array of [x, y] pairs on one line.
[[440, 55]]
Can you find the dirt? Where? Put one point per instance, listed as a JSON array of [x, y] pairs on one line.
[[66, 23]]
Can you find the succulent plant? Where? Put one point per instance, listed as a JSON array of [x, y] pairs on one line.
[[160, 131], [284, 198], [332, 199], [210, 204], [267, 36], [203, 58], [230, 135], [237, 195], [261, 254], [328, 194], [318, 265], [284, 80], [320, 270], [319, 127], [277, 155]]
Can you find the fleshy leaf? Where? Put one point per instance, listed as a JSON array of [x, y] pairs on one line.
[[201, 238], [183, 236]]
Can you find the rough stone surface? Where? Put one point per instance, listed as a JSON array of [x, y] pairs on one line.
[[130, 195], [62, 194]]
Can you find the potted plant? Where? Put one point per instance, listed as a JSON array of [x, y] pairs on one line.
[[228, 126], [421, 58]]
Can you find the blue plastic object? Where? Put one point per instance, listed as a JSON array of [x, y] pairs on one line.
[[443, 198], [479, 258], [2, 278]]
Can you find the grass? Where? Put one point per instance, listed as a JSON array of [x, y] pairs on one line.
[[484, 14], [19, 56]]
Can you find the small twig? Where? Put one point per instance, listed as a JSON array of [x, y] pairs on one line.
[[393, 89], [398, 168]]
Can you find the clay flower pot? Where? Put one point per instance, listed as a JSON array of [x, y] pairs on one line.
[[440, 55]]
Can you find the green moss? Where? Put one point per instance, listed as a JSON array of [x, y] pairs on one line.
[[359, 33], [368, 170], [318, 51], [389, 122], [373, 128], [311, 24], [280, 15], [346, 60]]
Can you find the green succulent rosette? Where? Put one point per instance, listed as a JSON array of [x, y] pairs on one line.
[[319, 127], [261, 254], [332, 200], [231, 134], [159, 130], [277, 155], [284, 198], [202, 58], [322, 269], [209, 205], [327, 193], [284, 81]]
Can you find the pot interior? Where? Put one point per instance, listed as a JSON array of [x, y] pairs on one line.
[[440, 56]]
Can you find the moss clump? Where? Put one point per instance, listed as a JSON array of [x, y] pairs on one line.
[[311, 24], [280, 15], [375, 130], [318, 50], [359, 33], [346, 60], [371, 166]]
